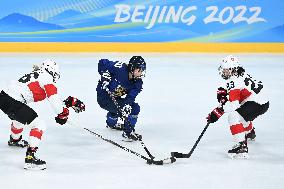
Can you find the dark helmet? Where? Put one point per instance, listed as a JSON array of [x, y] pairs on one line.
[[137, 62]]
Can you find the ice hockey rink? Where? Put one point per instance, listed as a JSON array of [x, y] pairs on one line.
[[179, 91]]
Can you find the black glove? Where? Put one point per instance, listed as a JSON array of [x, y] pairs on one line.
[[222, 95], [75, 103], [62, 117], [215, 115]]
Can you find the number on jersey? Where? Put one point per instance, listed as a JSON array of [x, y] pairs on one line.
[[230, 85]]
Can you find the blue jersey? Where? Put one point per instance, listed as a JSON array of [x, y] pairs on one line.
[[120, 84]]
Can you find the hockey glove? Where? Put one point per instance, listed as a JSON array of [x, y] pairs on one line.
[[215, 115], [75, 103], [222, 95], [126, 110], [62, 117]]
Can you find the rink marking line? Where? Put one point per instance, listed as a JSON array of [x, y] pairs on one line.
[[141, 47]]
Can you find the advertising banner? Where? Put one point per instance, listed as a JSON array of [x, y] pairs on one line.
[[142, 21]]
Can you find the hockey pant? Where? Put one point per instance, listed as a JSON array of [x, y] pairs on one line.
[[240, 121], [22, 116], [114, 114]]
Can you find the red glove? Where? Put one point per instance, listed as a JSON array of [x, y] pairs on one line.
[[222, 95], [215, 115], [62, 117], [75, 103]]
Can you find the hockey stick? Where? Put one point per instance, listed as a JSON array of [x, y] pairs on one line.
[[118, 107], [182, 155], [148, 160]]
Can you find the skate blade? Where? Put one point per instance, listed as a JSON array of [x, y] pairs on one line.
[[114, 129], [30, 166], [127, 140], [17, 146], [252, 140], [13, 146], [238, 156]]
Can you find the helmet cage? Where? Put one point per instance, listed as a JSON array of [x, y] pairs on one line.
[[229, 67]]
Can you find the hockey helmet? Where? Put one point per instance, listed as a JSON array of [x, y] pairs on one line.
[[229, 66], [137, 62], [51, 67]]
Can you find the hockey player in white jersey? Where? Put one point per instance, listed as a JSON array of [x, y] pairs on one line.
[[36, 86], [244, 99]]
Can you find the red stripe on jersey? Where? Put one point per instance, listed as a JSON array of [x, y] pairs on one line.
[[50, 90], [37, 91], [237, 128], [244, 94], [234, 95], [36, 133], [15, 130], [249, 127]]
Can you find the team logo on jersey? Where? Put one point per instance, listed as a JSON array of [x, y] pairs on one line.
[[120, 91]]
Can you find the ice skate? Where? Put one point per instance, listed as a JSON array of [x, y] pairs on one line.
[[17, 142], [130, 137], [251, 135], [32, 162], [118, 127], [239, 151]]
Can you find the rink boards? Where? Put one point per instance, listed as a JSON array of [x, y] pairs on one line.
[[141, 47]]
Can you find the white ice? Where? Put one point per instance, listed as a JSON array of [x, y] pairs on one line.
[[179, 91]]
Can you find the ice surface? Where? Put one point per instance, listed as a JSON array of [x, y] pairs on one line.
[[179, 92]]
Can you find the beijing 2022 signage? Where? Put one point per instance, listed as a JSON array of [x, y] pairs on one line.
[[186, 15], [138, 21]]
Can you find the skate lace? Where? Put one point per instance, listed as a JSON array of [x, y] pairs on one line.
[[36, 158], [134, 134], [130, 135], [236, 146]]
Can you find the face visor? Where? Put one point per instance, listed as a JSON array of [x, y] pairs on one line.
[[225, 73]]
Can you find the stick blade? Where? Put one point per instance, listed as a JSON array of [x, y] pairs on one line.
[[162, 162], [179, 155]]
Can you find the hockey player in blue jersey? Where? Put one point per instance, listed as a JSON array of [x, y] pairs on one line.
[[121, 83]]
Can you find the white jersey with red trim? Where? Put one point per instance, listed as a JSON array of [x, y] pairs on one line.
[[34, 87], [242, 89]]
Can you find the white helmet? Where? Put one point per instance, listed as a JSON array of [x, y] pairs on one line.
[[229, 66], [51, 67]]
